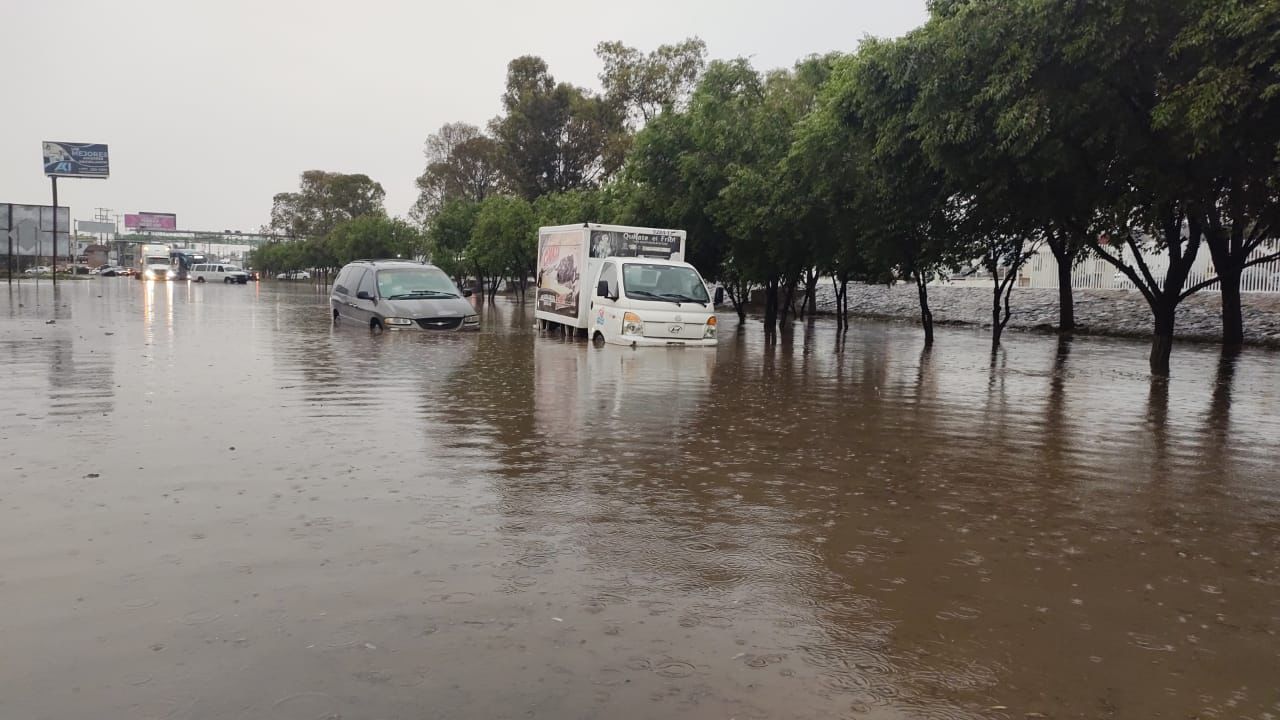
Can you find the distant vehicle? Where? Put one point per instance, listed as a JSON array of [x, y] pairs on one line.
[[153, 263], [185, 259], [38, 270], [398, 294], [294, 275], [218, 272], [110, 271]]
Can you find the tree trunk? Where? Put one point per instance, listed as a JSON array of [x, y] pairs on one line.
[[1162, 338], [809, 307], [1232, 312], [771, 303], [926, 315], [1066, 258], [997, 327], [788, 299]]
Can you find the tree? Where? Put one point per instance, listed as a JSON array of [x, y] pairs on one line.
[[900, 198], [1016, 139], [448, 235], [554, 137], [462, 164], [645, 85], [1226, 109], [504, 242], [374, 237], [323, 200]]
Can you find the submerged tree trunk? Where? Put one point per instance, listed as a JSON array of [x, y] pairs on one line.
[[809, 306], [1162, 337], [926, 315], [1232, 310], [1065, 255], [788, 299], [771, 303]]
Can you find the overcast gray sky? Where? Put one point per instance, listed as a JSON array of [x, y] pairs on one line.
[[212, 107]]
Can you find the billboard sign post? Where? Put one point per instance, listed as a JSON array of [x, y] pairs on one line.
[[67, 159]]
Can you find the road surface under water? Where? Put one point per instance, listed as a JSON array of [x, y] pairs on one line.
[[215, 504]]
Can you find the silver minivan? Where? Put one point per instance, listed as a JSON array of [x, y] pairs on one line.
[[397, 294]]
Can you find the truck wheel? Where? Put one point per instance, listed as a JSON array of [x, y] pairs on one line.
[[598, 339]]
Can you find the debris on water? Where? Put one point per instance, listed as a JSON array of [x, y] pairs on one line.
[[370, 646], [558, 619], [108, 333], [233, 447], [92, 475], [49, 322]]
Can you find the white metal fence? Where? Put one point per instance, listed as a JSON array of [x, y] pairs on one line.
[[1095, 273]]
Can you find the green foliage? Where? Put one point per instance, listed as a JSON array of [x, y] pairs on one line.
[[449, 235], [504, 240], [554, 136], [324, 200], [373, 237], [462, 164], [646, 85]]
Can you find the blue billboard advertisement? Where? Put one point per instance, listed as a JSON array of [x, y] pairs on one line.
[[67, 159]]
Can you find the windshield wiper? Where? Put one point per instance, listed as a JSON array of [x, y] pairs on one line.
[[684, 298], [646, 293], [419, 293]]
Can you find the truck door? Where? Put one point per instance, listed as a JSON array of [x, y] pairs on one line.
[[605, 316]]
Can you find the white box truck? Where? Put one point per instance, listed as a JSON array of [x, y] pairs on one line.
[[623, 285], [153, 262]]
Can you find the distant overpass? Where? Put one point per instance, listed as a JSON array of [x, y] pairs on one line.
[[197, 237]]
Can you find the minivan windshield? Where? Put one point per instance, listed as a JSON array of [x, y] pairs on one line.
[[672, 283], [403, 283]]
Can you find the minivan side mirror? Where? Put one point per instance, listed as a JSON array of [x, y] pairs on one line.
[[364, 295], [602, 289]]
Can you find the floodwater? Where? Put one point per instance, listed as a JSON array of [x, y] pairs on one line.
[[214, 504]]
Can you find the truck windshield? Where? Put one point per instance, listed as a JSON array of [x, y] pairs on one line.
[[414, 282], [673, 283]]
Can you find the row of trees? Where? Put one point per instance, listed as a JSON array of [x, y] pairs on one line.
[[1126, 129]]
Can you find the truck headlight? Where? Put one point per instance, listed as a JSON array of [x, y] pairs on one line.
[[397, 321], [471, 320], [632, 324], [710, 331]]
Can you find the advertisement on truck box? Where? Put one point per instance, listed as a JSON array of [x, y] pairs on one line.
[[616, 243], [561, 267]]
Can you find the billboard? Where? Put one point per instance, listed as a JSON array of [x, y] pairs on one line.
[[82, 160], [150, 221], [31, 229]]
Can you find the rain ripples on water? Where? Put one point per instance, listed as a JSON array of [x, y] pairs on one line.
[[216, 504]]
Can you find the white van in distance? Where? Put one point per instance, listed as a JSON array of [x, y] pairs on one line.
[[624, 285]]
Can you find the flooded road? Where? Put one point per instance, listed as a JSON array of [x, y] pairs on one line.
[[214, 504]]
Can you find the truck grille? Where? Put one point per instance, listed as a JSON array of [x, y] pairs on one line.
[[441, 323]]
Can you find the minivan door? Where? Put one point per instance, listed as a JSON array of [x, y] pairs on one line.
[[367, 308]]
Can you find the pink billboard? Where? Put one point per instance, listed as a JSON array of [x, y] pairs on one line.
[[151, 221]]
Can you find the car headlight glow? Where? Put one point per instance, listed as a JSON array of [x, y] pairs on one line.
[[710, 331], [471, 320], [397, 321], [632, 324]]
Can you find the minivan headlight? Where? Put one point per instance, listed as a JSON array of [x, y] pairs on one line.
[[632, 324], [471, 320], [397, 321]]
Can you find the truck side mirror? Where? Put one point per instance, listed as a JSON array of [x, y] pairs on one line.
[[719, 296], [466, 293], [602, 289]]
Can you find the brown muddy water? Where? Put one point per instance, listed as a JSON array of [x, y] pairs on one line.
[[214, 504]]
